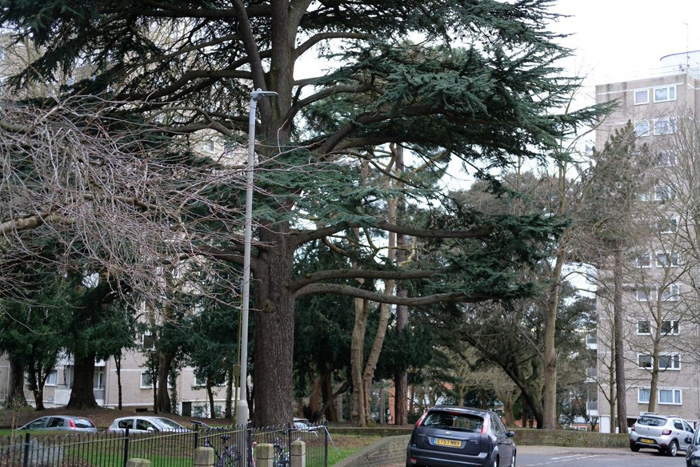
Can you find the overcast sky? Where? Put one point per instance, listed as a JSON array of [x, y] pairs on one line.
[[618, 40]]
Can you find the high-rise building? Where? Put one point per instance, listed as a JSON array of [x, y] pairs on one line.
[[660, 313]]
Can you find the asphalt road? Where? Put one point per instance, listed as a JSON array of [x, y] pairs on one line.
[[531, 456], [553, 456]]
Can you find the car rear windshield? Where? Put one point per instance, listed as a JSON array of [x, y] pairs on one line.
[[454, 421], [651, 421], [83, 423]]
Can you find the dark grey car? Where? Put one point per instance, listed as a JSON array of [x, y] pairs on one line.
[[459, 436], [62, 423]]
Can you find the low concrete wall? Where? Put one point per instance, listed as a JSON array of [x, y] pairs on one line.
[[571, 438], [391, 449]]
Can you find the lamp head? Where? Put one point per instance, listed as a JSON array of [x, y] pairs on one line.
[[259, 93]]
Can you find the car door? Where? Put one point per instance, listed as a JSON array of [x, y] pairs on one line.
[[145, 426], [55, 423], [505, 442], [38, 424], [688, 435], [125, 424]]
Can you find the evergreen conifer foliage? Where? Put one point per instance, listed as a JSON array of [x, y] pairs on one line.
[[396, 75]]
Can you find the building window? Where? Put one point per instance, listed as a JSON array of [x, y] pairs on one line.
[[99, 380], [646, 295], [643, 327], [146, 380], [671, 293], [644, 360], [208, 146], [670, 362], [667, 159], [641, 128], [665, 126], [644, 260], [52, 379], [667, 259], [669, 225], [670, 396], [670, 327], [664, 193], [665, 94], [641, 96], [199, 382], [643, 395], [147, 341]]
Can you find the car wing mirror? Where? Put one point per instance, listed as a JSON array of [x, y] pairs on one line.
[[510, 434]]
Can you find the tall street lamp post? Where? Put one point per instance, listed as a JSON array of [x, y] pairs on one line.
[[242, 412]]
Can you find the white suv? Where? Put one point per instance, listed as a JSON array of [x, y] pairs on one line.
[[665, 433]]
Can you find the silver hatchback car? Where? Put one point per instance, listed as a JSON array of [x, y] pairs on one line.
[[665, 433]]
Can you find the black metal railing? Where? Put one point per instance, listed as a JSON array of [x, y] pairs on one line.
[[163, 449]]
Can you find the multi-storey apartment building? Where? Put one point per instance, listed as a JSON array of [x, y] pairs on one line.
[[660, 312], [136, 386]]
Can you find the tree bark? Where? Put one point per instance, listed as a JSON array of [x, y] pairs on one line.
[[550, 421], [82, 396], [274, 328], [619, 342], [357, 361], [15, 396], [401, 380], [373, 358], [118, 368], [165, 361]]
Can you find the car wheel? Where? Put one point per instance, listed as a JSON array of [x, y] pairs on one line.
[[634, 447], [672, 449]]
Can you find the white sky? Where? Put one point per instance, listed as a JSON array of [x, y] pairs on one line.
[[617, 40]]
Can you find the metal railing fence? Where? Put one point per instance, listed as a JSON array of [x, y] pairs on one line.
[[163, 449]]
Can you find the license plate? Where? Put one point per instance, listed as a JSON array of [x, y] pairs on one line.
[[647, 441], [453, 443]]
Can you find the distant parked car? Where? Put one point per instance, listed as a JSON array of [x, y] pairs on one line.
[[61, 422], [460, 436], [665, 433], [144, 424]]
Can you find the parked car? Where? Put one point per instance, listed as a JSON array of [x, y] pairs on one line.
[[692, 454], [144, 424], [460, 436], [61, 422], [665, 433]]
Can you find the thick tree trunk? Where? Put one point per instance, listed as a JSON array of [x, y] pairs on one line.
[[619, 343], [118, 368], [229, 392], [210, 395], [82, 395], [315, 396], [357, 361], [274, 329], [165, 361], [15, 396], [402, 255], [550, 352], [373, 358]]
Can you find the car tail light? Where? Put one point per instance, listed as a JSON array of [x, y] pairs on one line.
[[71, 423], [421, 419], [485, 426], [666, 432]]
